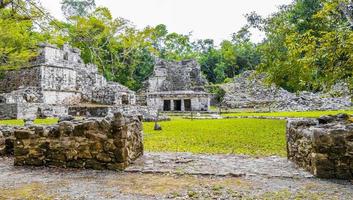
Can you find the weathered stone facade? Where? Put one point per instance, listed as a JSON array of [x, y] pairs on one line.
[[176, 86], [57, 79], [323, 146], [148, 113], [249, 90], [105, 143]]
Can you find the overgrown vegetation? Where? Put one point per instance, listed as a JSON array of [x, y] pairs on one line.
[[308, 44], [121, 52]]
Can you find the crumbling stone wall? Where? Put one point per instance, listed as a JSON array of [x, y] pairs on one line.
[[108, 95], [15, 79], [7, 140], [8, 111], [175, 76], [92, 143], [58, 78], [89, 79], [23, 95], [322, 146], [250, 90], [149, 114]]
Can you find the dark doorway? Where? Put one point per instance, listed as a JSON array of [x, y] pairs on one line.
[[125, 100], [187, 104], [177, 105], [66, 56], [166, 105]]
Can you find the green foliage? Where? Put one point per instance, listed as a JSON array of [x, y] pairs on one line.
[[308, 46], [218, 91], [126, 55], [122, 53], [176, 47], [77, 7], [232, 58], [237, 136], [18, 37]]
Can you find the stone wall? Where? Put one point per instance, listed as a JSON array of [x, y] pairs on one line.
[[322, 146], [15, 79], [31, 110], [92, 143], [89, 111], [113, 94], [200, 101], [8, 111], [175, 76], [89, 79], [148, 113], [7, 140], [58, 78], [23, 95]]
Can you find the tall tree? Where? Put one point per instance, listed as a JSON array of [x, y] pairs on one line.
[[19, 34], [77, 7], [308, 45]]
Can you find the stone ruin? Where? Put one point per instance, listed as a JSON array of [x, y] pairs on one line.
[[101, 143], [176, 86], [59, 83], [249, 90], [323, 146]]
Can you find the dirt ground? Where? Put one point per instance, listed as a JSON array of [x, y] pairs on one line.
[[173, 176]]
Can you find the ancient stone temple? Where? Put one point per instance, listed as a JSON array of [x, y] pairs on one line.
[[176, 86], [57, 81]]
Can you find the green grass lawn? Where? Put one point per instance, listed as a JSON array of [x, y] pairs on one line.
[[309, 114], [18, 122], [257, 137]]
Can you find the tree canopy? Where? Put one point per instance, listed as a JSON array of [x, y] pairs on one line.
[[308, 44]]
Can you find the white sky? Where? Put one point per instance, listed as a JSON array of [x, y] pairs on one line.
[[214, 19]]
